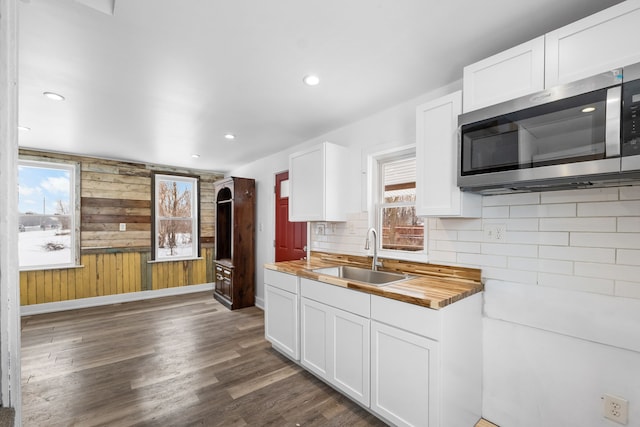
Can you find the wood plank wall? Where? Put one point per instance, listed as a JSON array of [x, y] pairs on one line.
[[115, 262]]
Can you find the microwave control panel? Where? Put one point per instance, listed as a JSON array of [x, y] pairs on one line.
[[631, 118]]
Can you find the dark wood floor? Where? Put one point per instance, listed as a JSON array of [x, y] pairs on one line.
[[175, 361]]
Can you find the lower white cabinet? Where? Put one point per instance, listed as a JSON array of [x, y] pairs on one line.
[[281, 317], [403, 376], [426, 365], [410, 365], [335, 342]]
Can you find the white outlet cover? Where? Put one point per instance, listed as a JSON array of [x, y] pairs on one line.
[[616, 409]]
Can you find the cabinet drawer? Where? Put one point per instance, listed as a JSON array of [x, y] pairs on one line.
[[413, 318], [284, 281], [345, 299]]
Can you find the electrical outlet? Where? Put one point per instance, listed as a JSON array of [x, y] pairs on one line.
[[123, 226], [495, 233], [320, 229], [616, 409]]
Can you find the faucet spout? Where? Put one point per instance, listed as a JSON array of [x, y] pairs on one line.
[[374, 263]]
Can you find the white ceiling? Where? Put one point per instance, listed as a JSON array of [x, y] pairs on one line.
[[160, 80]]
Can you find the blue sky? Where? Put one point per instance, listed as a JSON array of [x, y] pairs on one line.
[[38, 186]]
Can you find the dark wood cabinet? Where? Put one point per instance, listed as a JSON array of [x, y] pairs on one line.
[[235, 242]]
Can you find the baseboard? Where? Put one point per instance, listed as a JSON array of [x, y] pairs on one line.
[[50, 307], [259, 302]]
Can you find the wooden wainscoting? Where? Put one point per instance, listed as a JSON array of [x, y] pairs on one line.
[[112, 273]]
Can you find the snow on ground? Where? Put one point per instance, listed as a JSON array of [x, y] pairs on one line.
[[31, 251]]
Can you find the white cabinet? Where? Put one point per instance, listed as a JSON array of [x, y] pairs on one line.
[[335, 334], [402, 361], [281, 315], [595, 44], [507, 75], [437, 192], [318, 183], [411, 365], [426, 365]]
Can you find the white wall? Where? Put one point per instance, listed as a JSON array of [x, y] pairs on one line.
[[581, 247]]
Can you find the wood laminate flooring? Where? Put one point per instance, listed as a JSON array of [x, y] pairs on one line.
[[174, 361]]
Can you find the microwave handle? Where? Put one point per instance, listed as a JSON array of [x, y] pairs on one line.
[[612, 133]]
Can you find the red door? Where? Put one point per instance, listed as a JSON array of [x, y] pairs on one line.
[[291, 237]]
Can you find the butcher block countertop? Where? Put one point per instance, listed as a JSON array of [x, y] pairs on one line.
[[432, 285]]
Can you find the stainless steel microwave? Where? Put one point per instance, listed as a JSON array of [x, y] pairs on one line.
[[578, 135]]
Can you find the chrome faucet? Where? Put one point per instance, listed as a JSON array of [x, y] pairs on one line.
[[374, 264]]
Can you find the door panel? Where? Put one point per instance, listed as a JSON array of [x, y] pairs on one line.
[[291, 237]]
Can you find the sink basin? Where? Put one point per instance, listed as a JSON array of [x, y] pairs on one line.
[[375, 278]]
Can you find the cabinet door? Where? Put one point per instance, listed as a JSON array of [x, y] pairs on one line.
[[437, 192], [281, 321], [595, 44], [404, 377], [314, 338], [307, 185], [350, 350], [507, 75]]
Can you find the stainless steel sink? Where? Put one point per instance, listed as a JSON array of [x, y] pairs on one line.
[[370, 277]]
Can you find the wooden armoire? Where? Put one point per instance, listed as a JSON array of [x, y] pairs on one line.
[[235, 242]]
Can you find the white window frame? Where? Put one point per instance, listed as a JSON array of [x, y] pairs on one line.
[[195, 223], [74, 203], [375, 193]]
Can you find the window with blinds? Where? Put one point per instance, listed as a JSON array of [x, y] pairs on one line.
[[401, 229]]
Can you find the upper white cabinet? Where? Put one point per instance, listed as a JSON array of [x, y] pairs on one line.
[[595, 44], [507, 75], [317, 183], [437, 193]]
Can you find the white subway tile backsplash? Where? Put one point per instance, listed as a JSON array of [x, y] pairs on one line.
[[610, 209], [628, 257], [507, 275], [522, 224], [605, 240], [458, 224], [443, 234], [495, 212], [582, 195], [627, 289], [578, 224], [541, 265], [442, 257], [608, 271], [510, 250], [482, 260], [576, 283], [447, 245], [599, 255], [511, 199], [584, 240], [629, 224], [630, 193], [470, 236], [540, 238], [544, 211]]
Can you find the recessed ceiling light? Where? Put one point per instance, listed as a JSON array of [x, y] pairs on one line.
[[311, 80], [588, 109], [54, 96], [24, 128], [195, 156], [229, 136]]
